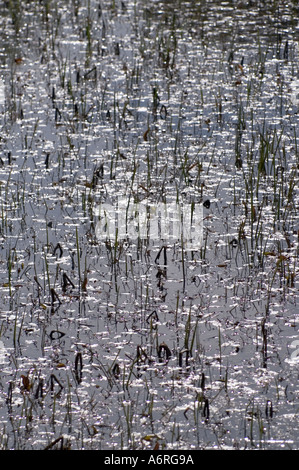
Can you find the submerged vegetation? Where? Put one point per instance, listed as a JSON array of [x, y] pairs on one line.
[[139, 344]]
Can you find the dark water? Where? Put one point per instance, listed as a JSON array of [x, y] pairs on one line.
[[126, 345]]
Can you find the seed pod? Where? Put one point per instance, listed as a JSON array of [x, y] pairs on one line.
[[202, 383], [116, 370], [39, 390], [269, 409], [206, 409], [78, 367]]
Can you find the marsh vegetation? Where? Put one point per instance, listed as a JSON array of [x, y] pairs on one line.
[[136, 344]]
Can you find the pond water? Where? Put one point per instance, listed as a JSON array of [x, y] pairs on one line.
[[142, 343]]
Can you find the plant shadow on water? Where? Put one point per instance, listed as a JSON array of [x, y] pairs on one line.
[[115, 343]]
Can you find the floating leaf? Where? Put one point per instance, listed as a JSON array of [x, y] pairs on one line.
[[60, 365], [25, 382], [56, 334]]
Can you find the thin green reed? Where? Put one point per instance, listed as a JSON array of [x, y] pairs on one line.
[[78, 258]]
